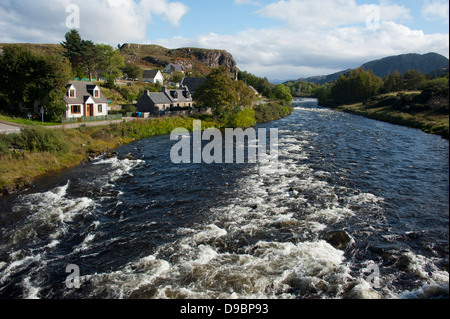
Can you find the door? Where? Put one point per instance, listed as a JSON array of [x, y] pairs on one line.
[[90, 110]]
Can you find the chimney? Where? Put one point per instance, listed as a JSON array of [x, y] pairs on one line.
[[163, 89]]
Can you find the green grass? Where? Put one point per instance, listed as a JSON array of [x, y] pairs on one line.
[[24, 121]]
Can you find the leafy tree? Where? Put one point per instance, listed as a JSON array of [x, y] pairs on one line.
[[177, 77], [111, 63], [217, 91], [356, 86], [132, 71], [281, 92], [31, 80], [224, 95], [91, 58], [16, 72]]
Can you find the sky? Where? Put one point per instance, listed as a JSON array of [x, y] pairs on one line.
[[277, 39]]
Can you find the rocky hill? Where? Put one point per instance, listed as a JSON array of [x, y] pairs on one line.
[[426, 63], [194, 60]]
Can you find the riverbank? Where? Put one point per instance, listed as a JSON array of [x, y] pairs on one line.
[[402, 109], [426, 121], [37, 151]]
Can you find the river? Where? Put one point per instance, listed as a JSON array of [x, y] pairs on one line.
[[148, 228]]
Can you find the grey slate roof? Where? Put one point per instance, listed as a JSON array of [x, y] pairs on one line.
[[178, 96], [85, 90], [193, 83], [159, 98]]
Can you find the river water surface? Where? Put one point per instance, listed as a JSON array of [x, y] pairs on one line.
[[148, 228]]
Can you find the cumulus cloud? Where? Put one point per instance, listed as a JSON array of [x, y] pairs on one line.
[[308, 14], [436, 10], [106, 21], [285, 53], [320, 37]]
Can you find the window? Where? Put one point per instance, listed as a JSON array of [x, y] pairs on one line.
[[100, 108], [96, 93], [76, 109], [72, 93]]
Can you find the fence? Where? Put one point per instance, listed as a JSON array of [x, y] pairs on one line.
[[86, 119]]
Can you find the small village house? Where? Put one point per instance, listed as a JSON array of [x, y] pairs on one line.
[[153, 76], [84, 99], [172, 68], [166, 102]]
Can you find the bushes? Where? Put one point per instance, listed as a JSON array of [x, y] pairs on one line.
[[272, 111], [35, 139], [244, 118]]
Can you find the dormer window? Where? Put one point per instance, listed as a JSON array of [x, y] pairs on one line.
[[72, 92], [96, 93]]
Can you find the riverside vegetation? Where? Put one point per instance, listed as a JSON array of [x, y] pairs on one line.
[[414, 99]]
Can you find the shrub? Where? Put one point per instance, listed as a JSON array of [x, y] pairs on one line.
[[244, 118], [39, 139]]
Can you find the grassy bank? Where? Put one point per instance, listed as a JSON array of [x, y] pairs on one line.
[[38, 151], [401, 109]]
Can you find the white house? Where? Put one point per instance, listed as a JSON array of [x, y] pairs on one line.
[[85, 99], [153, 76]]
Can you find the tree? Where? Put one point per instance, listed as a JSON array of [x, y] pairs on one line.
[[355, 86], [225, 96], [393, 82], [91, 58], [16, 72], [281, 92], [177, 77], [74, 50], [132, 71], [414, 80], [216, 92], [31, 80], [111, 62], [84, 55]]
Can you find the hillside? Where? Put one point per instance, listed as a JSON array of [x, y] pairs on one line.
[[193, 59], [196, 61], [426, 63]]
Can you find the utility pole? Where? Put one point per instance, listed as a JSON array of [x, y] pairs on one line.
[[42, 112]]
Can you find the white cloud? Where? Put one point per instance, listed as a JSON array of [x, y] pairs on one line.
[[106, 21], [312, 14], [286, 53], [436, 10]]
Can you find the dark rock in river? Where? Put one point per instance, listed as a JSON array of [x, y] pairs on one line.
[[338, 239]]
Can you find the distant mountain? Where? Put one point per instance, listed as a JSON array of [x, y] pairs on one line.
[[426, 63]]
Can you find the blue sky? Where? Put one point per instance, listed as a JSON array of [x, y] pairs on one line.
[[278, 39]]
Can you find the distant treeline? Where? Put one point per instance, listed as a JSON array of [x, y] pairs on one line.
[[360, 85]]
